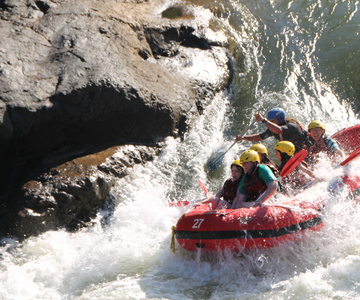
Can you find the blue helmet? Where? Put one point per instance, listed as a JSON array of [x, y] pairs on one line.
[[277, 113]]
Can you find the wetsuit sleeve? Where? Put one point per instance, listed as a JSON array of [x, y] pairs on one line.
[[266, 174], [266, 134]]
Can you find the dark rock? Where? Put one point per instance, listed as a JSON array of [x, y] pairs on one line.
[[69, 195], [75, 75]]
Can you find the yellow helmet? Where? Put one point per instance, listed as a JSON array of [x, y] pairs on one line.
[[238, 164], [316, 124], [259, 148], [249, 155], [286, 147]]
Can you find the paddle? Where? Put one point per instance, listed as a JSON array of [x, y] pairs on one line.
[[352, 155], [293, 163], [217, 159], [204, 188]]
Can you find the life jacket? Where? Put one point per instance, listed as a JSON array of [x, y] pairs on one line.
[[291, 120], [229, 189], [324, 147], [253, 185]]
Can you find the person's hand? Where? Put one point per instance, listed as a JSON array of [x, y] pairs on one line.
[[211, 198], [259, 117], [239, 138]]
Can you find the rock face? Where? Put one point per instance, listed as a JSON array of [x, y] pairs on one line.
[[70, 194], [74, 74]]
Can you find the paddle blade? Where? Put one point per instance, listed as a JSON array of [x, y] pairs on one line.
[[352, 156], [203, 187], [293, 162], [216, 160]]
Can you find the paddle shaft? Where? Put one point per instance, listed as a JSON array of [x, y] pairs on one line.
[[217, 159], [220, 157]]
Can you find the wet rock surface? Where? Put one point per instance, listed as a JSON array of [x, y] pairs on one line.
[[79, 75], [70, 194]]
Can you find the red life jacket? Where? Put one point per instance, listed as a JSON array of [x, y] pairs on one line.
[[253, 185], [229, 190]]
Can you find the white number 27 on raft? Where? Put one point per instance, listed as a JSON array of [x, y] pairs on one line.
[[197, 223]]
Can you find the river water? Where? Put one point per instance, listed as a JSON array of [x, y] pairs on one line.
[[300, 55]]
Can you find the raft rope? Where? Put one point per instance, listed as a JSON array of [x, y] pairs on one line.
[[172, 245]]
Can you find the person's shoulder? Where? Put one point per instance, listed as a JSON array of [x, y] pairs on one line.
[[264, 170], [263, 166], [292, 128]]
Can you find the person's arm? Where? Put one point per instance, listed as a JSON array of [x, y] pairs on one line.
[[272, 126], [306, 170], [214, 197], [270, 190], [238, 201], [211, 198], [252, 137], [339, 153], [219, 194]]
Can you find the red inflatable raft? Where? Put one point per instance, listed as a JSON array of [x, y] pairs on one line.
[[245, 228], [348, 138], [265, 226]]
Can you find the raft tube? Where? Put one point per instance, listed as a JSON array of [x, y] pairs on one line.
[[246, 228], [348, 138]]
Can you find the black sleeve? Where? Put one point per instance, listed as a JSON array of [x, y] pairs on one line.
[[266, 134]]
